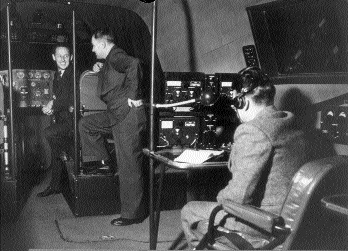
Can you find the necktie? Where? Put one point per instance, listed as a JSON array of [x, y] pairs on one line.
[[59, 75]]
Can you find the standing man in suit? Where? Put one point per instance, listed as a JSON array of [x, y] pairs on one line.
[[60, 133], [120, 87], [266, 153]]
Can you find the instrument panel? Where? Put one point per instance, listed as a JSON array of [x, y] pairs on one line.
[[32, 88]]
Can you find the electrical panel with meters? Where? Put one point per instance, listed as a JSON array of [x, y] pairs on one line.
[[334, 123]]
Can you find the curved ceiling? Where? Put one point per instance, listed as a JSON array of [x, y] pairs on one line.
[[128, 4], [46, 14]]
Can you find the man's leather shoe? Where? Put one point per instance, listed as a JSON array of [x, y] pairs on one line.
[[48, 191], [104, 170], [97, 167], [89, 170], [125, 222], [92, 164]]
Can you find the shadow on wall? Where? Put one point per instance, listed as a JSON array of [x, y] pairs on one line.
[[189, 27], [301, 105]]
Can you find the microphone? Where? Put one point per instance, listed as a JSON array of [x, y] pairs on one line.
[[190, 101], [206, 99]]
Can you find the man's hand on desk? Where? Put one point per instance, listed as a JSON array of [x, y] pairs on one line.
[[227, 147], [47, 109]]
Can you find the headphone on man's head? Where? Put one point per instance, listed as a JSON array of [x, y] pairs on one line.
[[252, 77]]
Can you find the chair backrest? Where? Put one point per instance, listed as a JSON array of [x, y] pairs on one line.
[[312, 225], [88, 92]]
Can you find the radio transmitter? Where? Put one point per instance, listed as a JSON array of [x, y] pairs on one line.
[[178, 131]]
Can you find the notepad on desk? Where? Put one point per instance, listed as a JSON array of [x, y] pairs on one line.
[[197, 156]]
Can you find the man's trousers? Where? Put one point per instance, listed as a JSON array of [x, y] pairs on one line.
[[130, 138], [59, 137]]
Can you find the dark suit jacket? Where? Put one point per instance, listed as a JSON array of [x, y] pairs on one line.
[[266, 154], [119, 79], [63, 90]]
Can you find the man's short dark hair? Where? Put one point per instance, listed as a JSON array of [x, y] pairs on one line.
[[104, 32], [65, 45], [258, 85]]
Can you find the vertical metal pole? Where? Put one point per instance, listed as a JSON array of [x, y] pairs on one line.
[[9, 173], [76, 105], [153, 230]]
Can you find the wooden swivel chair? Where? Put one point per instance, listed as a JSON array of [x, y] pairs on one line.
[[304, 222]]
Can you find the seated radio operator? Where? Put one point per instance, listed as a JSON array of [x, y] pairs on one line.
[[59, 134], [119, 86], [266, 153]]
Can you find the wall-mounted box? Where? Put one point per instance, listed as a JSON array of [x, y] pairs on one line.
[[334, 123]]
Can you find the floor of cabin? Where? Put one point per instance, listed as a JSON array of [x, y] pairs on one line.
[[36, 228]]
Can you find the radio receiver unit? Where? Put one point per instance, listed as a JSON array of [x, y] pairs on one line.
[[183, 86], [228, 83]]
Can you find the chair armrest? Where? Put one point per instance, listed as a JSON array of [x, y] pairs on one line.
[[257, 217], [267, 221], [337, 203]]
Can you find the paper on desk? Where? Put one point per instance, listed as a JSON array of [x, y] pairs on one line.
[[197, 156]]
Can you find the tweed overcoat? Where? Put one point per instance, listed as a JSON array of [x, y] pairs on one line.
[[266, 154]]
